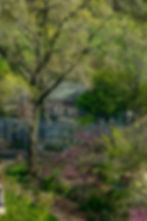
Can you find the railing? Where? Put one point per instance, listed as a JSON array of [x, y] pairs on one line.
[[15, 132]]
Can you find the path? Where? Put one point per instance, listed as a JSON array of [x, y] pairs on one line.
[[2, 204], [65, 210]]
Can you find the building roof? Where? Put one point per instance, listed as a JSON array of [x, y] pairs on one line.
[[67, 91]]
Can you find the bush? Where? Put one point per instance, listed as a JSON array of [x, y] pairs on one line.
[[53, 183], [105, 179], [16, 170], [21, 208], [53, 147], [109, 96], [50, 182]]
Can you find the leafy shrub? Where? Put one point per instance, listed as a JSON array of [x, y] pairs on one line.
[[50, 182], [53, 183], [21, 208], [102, 176], [109, 96], [16, 170], [53, 147]]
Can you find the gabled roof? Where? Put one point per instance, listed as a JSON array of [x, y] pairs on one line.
[[67, 91]]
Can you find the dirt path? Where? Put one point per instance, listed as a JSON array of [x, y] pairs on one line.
[[65, 210], [2, 203]]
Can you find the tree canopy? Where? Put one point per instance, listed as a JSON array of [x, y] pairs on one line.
[[45, 41]]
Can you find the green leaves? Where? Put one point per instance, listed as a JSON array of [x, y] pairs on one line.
[[4, 67], [109, 95], [12, 87]]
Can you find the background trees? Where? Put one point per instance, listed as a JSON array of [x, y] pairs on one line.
[[119, 73], [114, 93], [110, 95]]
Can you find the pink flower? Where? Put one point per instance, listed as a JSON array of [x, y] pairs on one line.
[[138, 215]]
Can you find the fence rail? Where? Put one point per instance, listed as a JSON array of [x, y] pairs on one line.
[[15, 132]]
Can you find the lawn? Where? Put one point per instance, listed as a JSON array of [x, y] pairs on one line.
[[21, 206]]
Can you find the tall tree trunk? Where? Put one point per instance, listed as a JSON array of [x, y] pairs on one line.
[[33, 142]]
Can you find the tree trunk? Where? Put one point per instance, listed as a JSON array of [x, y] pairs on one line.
[[33, 142]]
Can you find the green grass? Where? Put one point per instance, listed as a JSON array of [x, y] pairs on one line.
[[21, 208], [23, 204]]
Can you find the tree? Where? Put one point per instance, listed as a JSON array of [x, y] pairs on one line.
[[113, 93], [36, 41], [44, 41], [109, 96], [137, 8], [120, 70]]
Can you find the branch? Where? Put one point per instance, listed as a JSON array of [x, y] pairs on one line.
[[56, 36], [81, 54], [16, 65], [116, 5], [58, 81]]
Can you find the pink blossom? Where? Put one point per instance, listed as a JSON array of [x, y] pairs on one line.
[[138, 215]]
